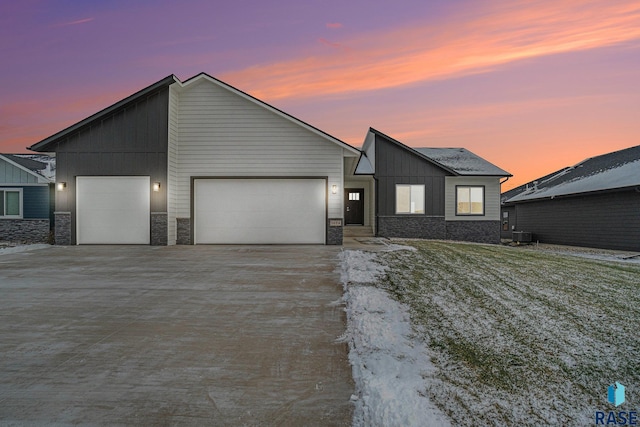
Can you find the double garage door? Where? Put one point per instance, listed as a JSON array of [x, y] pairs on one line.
[[259, 211], [116, 210]]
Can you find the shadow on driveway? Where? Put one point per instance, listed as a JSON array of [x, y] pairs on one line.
[[182, 335]]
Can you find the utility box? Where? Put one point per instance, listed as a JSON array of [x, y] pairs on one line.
[[521, 236]]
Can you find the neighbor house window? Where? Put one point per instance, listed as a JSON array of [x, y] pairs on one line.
[[469, 200], [409, 199], [10, 203]]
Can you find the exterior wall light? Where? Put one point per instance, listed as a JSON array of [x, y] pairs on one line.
[[334, 189], [156, 186], [61, 186]]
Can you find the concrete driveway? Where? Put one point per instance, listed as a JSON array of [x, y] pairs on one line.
[[186, 335]]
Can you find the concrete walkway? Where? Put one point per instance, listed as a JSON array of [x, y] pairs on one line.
[[187, 335]]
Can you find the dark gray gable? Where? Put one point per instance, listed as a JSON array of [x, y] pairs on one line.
[[48, 144]]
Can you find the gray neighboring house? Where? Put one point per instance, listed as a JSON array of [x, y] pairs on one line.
[[430, 193], [197, 162], [26, 197], [595, 203]]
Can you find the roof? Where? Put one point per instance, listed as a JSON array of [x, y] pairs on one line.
[[463, 161], [457, 161], [171, 80], [611, 171], [40, 165]]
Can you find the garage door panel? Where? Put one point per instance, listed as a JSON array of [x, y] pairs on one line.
[[245, 211], [113, 210]]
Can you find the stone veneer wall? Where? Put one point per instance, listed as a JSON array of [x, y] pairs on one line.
[[474, 231], [62, 233], [159, 221], [184, 231], [412, 227], [425, 227], [334, 233], [25, 230]]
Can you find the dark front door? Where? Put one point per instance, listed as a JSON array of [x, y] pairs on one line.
[[354, 206]]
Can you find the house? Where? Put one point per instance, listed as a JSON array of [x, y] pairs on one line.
[[196, 162], [595, 203], [430, 193], [26, 197]]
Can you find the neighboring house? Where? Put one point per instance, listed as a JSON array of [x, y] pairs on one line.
[[595, 203], [196, 162], [26, 197], [431, 193]]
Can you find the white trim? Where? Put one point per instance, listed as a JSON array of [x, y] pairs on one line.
[[21, 208], [41, 179]]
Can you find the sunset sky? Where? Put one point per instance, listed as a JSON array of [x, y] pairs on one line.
[[532, 86]]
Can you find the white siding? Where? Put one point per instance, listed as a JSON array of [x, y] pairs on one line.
[[172, 164], [491, 198], [223, 134]]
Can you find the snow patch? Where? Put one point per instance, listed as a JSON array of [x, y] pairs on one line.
[[21, 248], [389, 366]]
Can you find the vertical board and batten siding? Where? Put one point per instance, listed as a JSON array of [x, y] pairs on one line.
[[609, 221], [223, 134], [397, 165], [131, 141], [172, 165], [491, 198], [10, 174]]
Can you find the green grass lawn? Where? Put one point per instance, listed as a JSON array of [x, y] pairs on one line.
[[521, 337]]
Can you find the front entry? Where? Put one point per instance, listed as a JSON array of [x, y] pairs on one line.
[[354, 206]]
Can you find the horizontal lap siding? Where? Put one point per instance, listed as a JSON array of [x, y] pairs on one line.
[[606, 220], [172, 166], [223, 134]]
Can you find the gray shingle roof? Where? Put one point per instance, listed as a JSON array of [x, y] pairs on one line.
[[462, 161], [620, 169]]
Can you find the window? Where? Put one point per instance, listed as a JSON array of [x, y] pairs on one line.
[[354, 196], [409, 199], [10, 203], [469, 200]]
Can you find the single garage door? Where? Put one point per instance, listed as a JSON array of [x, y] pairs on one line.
[[113, 209], [259, 211]]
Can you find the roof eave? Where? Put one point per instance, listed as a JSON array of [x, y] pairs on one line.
[[41, 179]]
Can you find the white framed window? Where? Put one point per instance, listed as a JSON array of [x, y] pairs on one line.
[[469, 200], [10, 203], [354, 196], [409, 199]]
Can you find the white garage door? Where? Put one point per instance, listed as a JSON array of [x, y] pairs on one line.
[[113, 209], [259, 211]]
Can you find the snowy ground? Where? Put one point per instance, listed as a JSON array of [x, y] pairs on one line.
[[490, 335], [389, 365]]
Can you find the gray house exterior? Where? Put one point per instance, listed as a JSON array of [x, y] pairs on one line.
[[26, 198], [595, 203], [196, 162], [430, 193]]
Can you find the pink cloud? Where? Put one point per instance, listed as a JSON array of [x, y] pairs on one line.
[[476, 43], [79, 21], [333, 25]]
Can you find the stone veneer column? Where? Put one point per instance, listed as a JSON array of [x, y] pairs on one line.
[[334, 231], [159, 232], [184, 231], [62, 228]]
